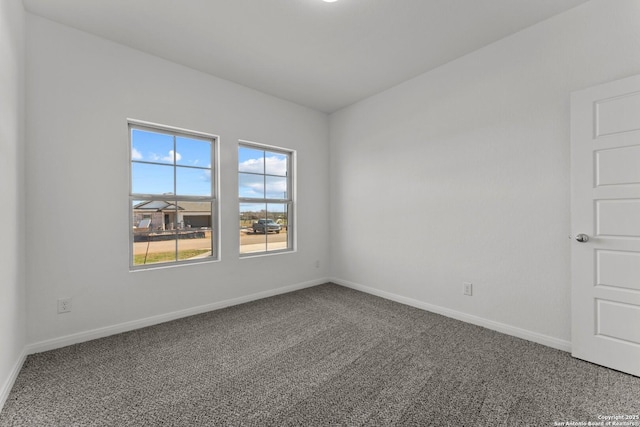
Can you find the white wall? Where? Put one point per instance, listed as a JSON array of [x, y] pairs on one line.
[[80, 91], [462, 174], [12, 293]]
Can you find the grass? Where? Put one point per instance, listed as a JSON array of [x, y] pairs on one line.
[[167, 256]]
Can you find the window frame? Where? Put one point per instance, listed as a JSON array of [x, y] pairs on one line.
[[213, 199], [289, 201]]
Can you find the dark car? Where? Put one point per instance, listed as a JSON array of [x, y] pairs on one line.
[[266, 225]]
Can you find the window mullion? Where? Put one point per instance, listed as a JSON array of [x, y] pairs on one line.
[[264, 200], [175, 197]]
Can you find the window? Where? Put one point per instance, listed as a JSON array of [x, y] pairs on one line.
[[265, 190], [172, 196]]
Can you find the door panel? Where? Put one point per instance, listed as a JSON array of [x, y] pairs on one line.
[[617, 114], [618, 269], [605, 205], [618, 166], [618, 218], [613, 320]]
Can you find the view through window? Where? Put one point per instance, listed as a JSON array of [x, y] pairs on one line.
[[172, 198], [265, 189]]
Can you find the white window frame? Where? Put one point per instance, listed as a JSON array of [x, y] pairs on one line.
[[213, 199], [290, 200]]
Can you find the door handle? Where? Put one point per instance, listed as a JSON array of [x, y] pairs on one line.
[[582, 238]]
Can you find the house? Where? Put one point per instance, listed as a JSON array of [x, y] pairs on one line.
[[168, 216], [458, 172]]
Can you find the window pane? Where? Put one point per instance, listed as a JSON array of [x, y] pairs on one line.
[[250, 160], [151, 179], [194, 231], [168, 228], [275, 164], [252, 239], [154, 241], [277, 217], [193, 152], [193, 182], [264, 175], [276, 187], [151, 147], [251, 186]]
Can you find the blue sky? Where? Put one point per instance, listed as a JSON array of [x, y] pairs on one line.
[[251, 163], [192, 159], [262, 174]]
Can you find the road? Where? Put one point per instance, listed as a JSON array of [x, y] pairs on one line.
[[253, 242], [249, 238], [249, 241]]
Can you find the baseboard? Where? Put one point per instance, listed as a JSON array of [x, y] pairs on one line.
[[79, 337], [475, 320], [154, 320], [8, 384]]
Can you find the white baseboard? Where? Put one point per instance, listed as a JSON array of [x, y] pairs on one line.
[[79, 337], [8, 384], [475, 320]]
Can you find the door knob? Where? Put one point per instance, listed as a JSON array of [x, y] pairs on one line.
[[582, 238]]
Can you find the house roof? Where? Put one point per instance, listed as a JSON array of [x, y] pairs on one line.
[[160, 205]]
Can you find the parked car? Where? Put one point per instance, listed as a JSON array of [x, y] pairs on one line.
[[266, 225]]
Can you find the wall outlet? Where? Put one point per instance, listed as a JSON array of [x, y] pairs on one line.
[[467, 288], [64, 305], [317, 263]]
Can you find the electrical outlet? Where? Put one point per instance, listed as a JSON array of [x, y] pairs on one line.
[[64, 305], [317, 263], [467, 288]]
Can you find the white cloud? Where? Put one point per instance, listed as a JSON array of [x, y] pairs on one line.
[[275, 165], [171, 156], [251, 165], [277, 187], [135, 154], [256, 188]]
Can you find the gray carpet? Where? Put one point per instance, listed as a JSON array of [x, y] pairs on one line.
[[321, 356]]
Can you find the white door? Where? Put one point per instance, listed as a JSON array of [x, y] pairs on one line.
[[605, 207]]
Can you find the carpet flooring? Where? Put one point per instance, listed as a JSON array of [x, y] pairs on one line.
[[321, 356]]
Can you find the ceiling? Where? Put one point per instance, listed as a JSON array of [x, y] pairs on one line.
[[321, 55]]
